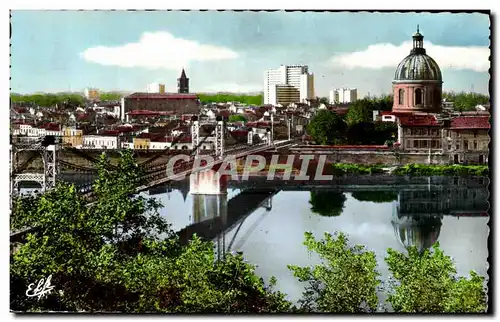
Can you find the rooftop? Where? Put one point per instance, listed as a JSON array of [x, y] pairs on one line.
[[470, 122], [139, 95]]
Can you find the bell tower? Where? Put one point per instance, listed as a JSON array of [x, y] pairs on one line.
[[183, 83]]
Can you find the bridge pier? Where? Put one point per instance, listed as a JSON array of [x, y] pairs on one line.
[[207, 207], [208, 182]]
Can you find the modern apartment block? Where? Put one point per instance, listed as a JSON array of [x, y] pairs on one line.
[[283, 94], [343, 95], [288, 82], [156, 88]]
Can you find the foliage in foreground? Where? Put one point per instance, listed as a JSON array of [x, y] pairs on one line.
[[119, 255], [455, 169], [346, 281], [426, 283]]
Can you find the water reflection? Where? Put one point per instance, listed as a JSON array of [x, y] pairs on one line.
[[327, 203], [417, 214]]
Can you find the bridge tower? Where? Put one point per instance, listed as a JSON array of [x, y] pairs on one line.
[[47, 147], [208, 182]]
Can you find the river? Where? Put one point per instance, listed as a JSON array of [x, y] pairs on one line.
[[272, 237]]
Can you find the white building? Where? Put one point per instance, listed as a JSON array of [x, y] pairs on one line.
[[100, 142], [156, 88], [296, 76], [28, 130], [343, 95]]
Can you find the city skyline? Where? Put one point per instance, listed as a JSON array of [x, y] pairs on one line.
[[125, 51]]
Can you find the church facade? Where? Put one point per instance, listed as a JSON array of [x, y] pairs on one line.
[[423, 126]]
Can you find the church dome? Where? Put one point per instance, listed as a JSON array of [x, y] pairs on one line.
[[417, 85], [418, 66], [419, 232]]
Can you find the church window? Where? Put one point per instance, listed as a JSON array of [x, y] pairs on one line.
[[418, 96], [401, 96]]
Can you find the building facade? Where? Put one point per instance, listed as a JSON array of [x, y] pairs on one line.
[[296, 76], [343, 95], [176, 103], [284, 94]]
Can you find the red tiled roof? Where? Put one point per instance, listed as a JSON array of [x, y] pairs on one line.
[[224, 113], [383, 147], [162, 96], [261, 124], [152, 113], [20, 110], [51, 127], [111, 132], [340, 110], [470, 122], [418, 120], [239, 133]]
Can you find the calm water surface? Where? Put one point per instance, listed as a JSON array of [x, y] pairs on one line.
[[271, 236]]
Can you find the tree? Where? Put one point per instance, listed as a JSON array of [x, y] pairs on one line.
[[466, 101], [110, 96], [327, 203], [345, 282], [327, 127], [237, 118], [361, 133], [228, 97], [359, 112], [120, 255], [426, 282], [324, 100]]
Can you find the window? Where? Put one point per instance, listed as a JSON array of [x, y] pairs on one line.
[[475, 145], [401, 96], [424, 144], [418, 96], [466, 144], [449, 146], [415, 144], [458, 146], [433, 144]]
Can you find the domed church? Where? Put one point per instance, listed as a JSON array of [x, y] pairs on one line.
[[426, 133], [417, 84]]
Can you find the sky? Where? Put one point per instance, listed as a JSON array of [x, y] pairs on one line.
[[55, 51]]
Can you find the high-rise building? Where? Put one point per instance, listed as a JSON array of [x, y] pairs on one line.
[[156, 88], [343, 95], [284, 94], [91, 93], [183, 83], [295, 76]]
